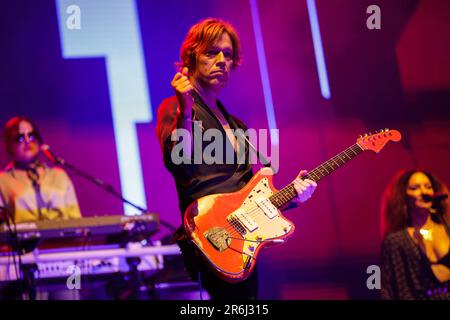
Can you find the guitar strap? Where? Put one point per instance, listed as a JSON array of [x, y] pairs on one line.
[[230, 119]]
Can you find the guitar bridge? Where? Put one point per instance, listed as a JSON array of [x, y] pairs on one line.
[[218, 237]]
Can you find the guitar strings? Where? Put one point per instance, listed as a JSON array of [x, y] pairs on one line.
[[232, 228]]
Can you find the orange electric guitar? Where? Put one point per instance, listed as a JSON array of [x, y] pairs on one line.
[[231, 228]]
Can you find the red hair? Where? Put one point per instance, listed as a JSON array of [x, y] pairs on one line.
[[203, 35]]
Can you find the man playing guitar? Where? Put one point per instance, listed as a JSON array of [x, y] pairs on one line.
[[209, 52]]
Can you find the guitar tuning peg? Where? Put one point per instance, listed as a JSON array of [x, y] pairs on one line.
[[360, 136], [386, 130]]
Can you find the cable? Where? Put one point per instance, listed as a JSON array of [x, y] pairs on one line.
[[258, 241], [200, 284], [11, 251], [14, 241]]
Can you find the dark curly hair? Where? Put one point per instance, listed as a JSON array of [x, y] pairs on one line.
[[394, 209]]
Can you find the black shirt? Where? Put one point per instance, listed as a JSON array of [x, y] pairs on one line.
[[192, 180]]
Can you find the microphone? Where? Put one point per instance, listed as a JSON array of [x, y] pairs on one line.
[[434, 198], [48, 153]]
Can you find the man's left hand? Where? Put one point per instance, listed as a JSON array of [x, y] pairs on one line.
[[305, 188]]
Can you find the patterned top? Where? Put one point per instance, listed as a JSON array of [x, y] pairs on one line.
[[406, 272], [45, 195]]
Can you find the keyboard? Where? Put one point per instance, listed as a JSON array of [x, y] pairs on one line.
[[92, 260], [84, 227]]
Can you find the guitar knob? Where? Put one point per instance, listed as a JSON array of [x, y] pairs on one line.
[[251, 248]]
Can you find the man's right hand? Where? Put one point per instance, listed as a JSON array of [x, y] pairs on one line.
[[183, 90]]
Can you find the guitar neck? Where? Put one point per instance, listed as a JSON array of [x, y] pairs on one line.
[[288, 193]]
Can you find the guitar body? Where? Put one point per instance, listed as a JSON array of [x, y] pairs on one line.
[[231, 228]]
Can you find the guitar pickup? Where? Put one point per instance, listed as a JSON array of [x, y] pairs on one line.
[[244, 219], [267, 207]]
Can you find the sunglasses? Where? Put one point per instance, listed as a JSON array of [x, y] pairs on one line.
[[32, 137]]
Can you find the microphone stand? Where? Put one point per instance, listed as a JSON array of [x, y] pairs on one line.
[[133, 276], [25, 273], [442, 216], [105, 186]]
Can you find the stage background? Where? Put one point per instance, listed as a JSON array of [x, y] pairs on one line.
[[396, 77]]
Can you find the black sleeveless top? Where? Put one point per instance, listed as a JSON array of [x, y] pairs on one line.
[[196, 180]]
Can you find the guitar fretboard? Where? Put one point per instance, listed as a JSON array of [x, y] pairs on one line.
[[288, 193]]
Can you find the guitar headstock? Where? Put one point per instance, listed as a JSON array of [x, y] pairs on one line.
[[377, 141]]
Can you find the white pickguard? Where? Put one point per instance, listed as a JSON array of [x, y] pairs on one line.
[[267, 228]]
